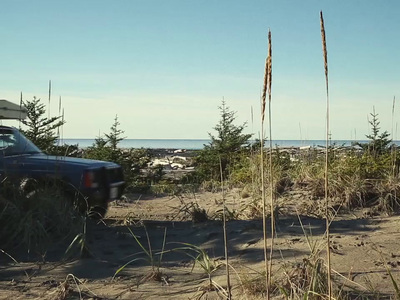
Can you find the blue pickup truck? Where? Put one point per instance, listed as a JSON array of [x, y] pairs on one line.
[[94, 182]]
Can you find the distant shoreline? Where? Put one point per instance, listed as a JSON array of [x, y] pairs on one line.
[[198, 144]]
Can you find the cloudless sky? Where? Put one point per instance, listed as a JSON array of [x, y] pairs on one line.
[[164, 66]]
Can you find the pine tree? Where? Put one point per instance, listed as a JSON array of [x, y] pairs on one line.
[[113, 138], [226, 146], [115, 135], [40, 129], [378, 143]]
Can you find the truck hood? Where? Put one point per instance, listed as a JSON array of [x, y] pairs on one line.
[[44, 159]]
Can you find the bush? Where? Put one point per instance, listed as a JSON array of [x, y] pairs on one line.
[[36, 221], [379, 143], [224, 150], [132, 161], [42, 131]]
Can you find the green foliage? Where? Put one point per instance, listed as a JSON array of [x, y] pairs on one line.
[[246, 172], [355, 179], [132, 161], [80, 242], [100, 150], [243, 171], [358, 178], [40, 129], [379, 143], [224, 150], [153, 257], [106, 148], [113, 138], [208, 266]]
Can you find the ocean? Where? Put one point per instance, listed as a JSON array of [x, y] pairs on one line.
[[196, 144]]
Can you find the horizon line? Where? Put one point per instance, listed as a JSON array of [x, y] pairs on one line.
[[207, 139]]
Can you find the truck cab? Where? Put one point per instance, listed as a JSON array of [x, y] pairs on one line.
[[96, 182]]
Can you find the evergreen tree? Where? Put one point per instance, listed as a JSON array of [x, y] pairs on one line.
[[225, 147], [106, 148], [113, 139], [115, 135], [132, 161], [99, 150], [379, 143], [40, 129]]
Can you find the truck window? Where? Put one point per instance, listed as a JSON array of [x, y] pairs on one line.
[[12, 142]]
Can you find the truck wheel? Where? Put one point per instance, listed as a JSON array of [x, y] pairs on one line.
[[93, 209], [28, 187]]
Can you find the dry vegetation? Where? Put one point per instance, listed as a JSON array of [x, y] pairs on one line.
[[172, 247]]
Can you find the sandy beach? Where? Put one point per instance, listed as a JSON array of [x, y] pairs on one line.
[[363, 247]]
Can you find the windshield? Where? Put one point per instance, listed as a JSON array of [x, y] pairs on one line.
[[12, 142]]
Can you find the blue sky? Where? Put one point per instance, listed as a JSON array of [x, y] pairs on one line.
[[164, 66]]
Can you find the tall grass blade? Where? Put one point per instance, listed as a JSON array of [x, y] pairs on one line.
[[49, 97], [271, 178], [163, 246], [393, 138], [263, 104], [20, 111], [58, 128], [125, 265], [325, 56], [228, 281], [396, 287], [148, 254]]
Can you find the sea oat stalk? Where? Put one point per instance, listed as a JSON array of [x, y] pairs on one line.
[[20, 111], [228, 279], [271, 178], [393, 139], [263, 105], [49, 97], [328, 250]]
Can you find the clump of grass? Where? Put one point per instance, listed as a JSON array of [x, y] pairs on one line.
[[151, 256], [254, 285], [388, 191], [229, 214], [207, 265], [193, 211], [356, 181], [198, 214], [307, 279], [37, 221], [65, 289], [80, 242], [211, 186], [309, 176]]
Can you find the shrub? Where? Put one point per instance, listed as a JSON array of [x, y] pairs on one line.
[[132, 161], [379, 143], [37, 220], [40, 129], [224, 150]]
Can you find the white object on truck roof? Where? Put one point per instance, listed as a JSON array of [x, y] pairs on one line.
[[11, 111]]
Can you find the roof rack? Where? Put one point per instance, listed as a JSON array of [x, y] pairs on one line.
[[11, 111]]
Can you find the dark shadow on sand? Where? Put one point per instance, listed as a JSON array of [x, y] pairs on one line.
[[113, 245]]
